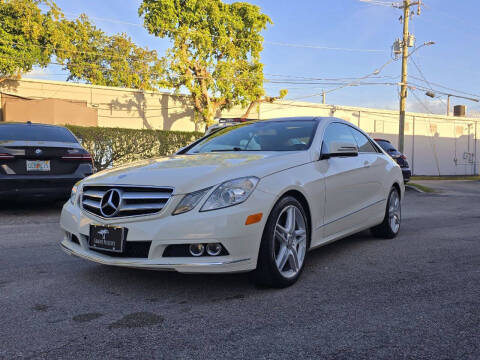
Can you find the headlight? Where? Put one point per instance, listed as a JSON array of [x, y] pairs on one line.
[[74, 193], [230, 193], [189, 201]]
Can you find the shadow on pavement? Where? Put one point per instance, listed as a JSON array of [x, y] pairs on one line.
[[206, 287], [26, 206]]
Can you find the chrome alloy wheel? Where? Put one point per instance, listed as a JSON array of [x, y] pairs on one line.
[[394, 212], [290, 241]]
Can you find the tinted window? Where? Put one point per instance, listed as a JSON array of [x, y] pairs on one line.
[[364, 145], [386, 146], [291, 135], [35, 133], [336, 133]]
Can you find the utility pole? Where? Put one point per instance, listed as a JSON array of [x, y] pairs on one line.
[[323, 96], [448, 105], [403, 90], [407, 42]]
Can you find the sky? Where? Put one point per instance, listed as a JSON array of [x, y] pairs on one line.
[[309, 37]]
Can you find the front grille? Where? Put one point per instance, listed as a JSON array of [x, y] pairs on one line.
[[133, 249], [127, 200]]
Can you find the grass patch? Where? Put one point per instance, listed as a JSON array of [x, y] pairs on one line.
[[453, 177], [421, 187]]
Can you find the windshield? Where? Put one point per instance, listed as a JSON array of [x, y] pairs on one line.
[[292, 135], [23, 132]]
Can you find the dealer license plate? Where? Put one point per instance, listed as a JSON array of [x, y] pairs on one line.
[[108, 238]]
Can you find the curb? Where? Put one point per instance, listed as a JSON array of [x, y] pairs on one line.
[[410, 187]]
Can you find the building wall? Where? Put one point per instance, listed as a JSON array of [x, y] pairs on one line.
[[49, 111], [435, 145]]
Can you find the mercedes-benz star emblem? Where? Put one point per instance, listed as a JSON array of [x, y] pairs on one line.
[[110, 204], [38, 151]]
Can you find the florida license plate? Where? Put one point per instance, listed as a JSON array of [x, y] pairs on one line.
[[38, 165], [108, 238]]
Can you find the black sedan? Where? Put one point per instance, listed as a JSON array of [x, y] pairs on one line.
[[38, 160], [400, 158]]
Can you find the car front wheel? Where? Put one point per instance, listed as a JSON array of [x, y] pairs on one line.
[[284, 244]]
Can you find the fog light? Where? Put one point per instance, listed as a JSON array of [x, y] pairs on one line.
[[196, 249], [214, 249]]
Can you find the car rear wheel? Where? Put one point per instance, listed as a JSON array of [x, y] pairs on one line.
[[284, 245], [390, 226]]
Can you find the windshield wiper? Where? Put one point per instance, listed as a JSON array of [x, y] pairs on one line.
[[232, 149]]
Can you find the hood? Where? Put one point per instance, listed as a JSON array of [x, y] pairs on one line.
[[187, 173]]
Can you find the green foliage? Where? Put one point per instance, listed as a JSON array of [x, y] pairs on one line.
[[31, 37], [28, 36], [101, 59], [116, 146], [215, 51]]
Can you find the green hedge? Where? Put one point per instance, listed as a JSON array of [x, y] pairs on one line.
[[115, 146]]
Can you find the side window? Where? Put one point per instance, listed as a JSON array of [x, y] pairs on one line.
[[364, 145], [336, 133]]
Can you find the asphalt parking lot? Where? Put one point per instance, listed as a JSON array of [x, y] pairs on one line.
[[414, 297]]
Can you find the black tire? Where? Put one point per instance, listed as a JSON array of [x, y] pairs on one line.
[[267, 273], [385, 230]]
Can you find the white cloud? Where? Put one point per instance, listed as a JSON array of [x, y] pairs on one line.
[[38, 72], [426, 105]]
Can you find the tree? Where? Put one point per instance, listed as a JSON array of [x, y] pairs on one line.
[[110, 60], [265, 99], [31, 37], [215, 51], [28, 37]]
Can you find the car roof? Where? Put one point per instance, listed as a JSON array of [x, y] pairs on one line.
[[29, 124]]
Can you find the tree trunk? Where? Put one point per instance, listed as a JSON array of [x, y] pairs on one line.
[[249, 109], [210, 114]]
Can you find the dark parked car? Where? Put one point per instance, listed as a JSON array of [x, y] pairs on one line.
[[400, 158], [39, 160]]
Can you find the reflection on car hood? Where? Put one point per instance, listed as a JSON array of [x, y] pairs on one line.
[[187, 173]]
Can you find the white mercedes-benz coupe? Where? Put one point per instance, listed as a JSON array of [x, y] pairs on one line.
[[252, 196]]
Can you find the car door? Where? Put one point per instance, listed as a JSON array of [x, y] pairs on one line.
[[344, 184], [372, 173]]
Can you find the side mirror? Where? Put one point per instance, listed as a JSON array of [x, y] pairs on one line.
[[339, 149]]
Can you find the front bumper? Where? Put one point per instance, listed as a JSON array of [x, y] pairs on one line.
[[226, 226], [407, 173]]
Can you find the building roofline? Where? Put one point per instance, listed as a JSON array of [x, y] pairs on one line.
[[370, 110], [278, 102], [90, 86]]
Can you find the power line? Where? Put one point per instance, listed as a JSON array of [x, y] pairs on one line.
[[272, 81], [275, 43], [382, 3], [375, 72], [112, 57], [447, 88], [289, 77], [426, 81], [323, 47]]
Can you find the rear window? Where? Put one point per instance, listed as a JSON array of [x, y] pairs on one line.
[[35, 133], [386, 145]]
